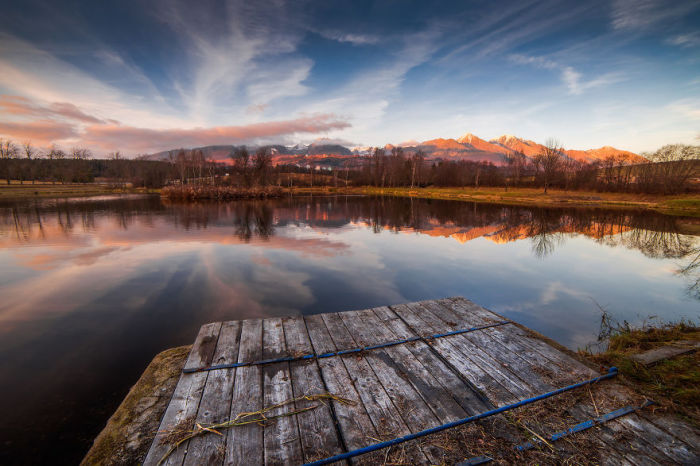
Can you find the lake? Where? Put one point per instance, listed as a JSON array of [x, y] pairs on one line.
[[92, 288]]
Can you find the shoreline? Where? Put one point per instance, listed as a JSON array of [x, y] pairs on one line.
[[677, 205], [687, 205]]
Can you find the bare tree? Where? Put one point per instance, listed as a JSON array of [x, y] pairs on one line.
[[549, 160], [417, 162], [675, 165], [8, 151], [241, 164], [262, 162]]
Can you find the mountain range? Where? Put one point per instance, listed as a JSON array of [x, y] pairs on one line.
[[467, 147]]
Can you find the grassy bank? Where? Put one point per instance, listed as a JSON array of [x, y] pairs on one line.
[[682, 205], [672, 383], [220, 193], [28, 190], [685, 204]]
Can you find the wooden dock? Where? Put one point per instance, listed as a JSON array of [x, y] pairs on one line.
[[394, 390]]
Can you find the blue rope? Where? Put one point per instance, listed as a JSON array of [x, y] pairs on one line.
[[587, 424], [339, 353], [612, 372]]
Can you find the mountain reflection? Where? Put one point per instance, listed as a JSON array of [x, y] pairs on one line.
[[72, 221]]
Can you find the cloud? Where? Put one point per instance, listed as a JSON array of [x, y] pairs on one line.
[[569, 76], [40, 132], [111, 136], [643, 14], [686, 40], [688, 108], [351, 38], [21, 106]]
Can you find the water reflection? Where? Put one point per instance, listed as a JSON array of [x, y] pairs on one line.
[[68, 221], [92, 288]]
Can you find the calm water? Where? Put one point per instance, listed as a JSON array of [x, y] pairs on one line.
[[91, 289]]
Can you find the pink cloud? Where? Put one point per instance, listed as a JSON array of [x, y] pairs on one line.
[[58, 121], [144, 139], [21, 106], [41, 132]]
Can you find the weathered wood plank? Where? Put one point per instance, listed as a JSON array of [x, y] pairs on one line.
[[385, 417], [391, 374], [186, 397], [655, 355], [281, 437], [319, 436], [459, 354], [439, 400], [495, 356], [395, 376], [513, 332], [452, 382], [244, 444], [354, 423], [674, 427], [216, 399], [677, 451]]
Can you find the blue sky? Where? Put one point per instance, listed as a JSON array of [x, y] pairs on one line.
[[146, 76]]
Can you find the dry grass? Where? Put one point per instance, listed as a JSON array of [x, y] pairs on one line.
[[188, 428], [683, 204]]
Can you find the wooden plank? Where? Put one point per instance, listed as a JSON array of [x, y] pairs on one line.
[[186, 397], [513, 332], [244, 444], [677, 451], [504, 361], [674, 427], [392, 376], [385, 417], [459, 389], [507, 354], [281, 437], [355, 425], [439, 400], [655, 355], [460, 354], [395, 376], [319, 436], [215, 406]]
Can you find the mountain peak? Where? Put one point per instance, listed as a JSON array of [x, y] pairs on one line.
[[468, 138]]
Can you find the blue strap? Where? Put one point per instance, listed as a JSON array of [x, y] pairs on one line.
[[339, 353], [612, 372], [587, 424]]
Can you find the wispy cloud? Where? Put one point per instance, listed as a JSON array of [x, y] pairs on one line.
[[691, 39], [21, 106], [689, 108], [352, 38], [573, 79], [643, 14]]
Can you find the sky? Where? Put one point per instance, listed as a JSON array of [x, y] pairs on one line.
[[142, 77]]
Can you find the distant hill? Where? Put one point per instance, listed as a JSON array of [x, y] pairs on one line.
[[467, 147]]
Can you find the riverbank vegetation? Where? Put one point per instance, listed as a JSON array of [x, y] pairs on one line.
[[672, 383]]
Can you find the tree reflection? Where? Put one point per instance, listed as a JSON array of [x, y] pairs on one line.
[[654, 235]]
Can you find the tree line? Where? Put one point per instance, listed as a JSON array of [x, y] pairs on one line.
[[672, 169]]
